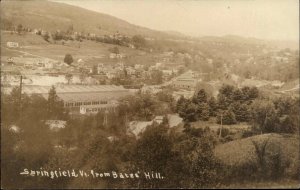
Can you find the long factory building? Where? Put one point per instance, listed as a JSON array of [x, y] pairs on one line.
[[84, 99]]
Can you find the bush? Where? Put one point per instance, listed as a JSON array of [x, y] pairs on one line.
[[228, 118], [225, 132], [68, 59]]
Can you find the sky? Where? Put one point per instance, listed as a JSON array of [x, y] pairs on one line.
[[264, 19]]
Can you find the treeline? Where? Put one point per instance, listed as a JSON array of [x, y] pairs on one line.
[[234, 105], [136, 41]]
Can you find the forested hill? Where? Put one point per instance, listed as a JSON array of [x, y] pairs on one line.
[[52, 16]]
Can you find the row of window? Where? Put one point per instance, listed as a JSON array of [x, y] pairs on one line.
[[182, 85], [99, 109], [77, 104]]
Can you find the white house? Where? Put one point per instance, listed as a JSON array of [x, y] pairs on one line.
[[10, 60], [12, 44], [138, 66], [48, 65], [56, 125]]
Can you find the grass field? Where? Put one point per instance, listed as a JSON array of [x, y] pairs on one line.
[[89, 51], [242, 151]]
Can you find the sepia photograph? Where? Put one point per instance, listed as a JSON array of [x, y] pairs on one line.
[[150, 94]]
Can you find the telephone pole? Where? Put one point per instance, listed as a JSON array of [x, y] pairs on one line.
[[105, 118], [220, 135], [20, 100]]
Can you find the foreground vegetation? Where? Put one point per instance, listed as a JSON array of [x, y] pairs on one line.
[[195, 157]]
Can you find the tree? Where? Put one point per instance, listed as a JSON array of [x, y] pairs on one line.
[[264, 117], [283, 105], [55, 105], [200, 97], [190, 112], [139, 41], [46, 36], [95, 70], [287, 125], [212, 103], [57, 35], [82, 78], [70, 29], [237, 95], [69, 78], [156, 77], [225, 96], [181, 104], [68, 59], [152, 152], [19, 28], [241, 111], [249, 93], [194, 161], [227, 117], [203, 111]]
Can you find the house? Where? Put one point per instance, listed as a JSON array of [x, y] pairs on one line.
[[28, 65], [167, 72], [131, 46], [44, 32], [138, 127], [36, 31], [174, 120], [186, 81], [152, 89], [158, 119], [48, 65], [116, 55], [112, 138], [56, 125], [185, 93], [14, 129], [12, 44], [158, 65], [130, 71], [189, 84], [138, 66], [111, 74], [10, 60]]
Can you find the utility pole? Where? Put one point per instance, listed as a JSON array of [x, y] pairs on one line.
[[105, 118], [220, 135], [126, 122], [20, 100], [126, 117]]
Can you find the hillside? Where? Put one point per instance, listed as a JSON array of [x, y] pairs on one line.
[[239, 152], [51, 16], [34, 46]]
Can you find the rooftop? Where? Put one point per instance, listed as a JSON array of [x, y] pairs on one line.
[[69, 89]]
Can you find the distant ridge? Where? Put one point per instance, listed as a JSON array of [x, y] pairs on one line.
[[52, 16]]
